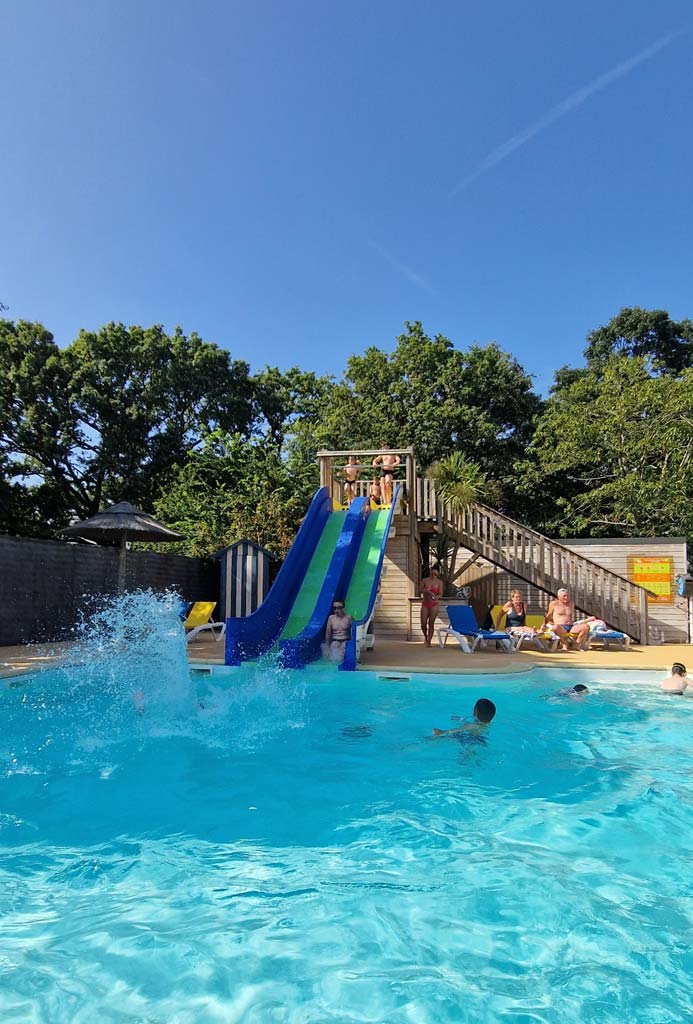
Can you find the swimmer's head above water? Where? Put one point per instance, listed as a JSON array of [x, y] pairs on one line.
[[484, 710], [677, 680]]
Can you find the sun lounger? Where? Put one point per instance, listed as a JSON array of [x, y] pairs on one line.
[[464, 628], [200, 618], [610, 636], [534, 636]]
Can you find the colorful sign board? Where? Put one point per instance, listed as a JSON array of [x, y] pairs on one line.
[[656, 574]]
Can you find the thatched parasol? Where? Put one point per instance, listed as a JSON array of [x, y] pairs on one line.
[[122, 522]]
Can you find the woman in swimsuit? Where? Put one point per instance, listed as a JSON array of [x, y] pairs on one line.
[[431, 591], [515, 611]]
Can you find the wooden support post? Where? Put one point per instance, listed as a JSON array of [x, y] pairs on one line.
[[644, 626]]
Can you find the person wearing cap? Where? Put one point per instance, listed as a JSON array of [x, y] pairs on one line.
[[560, 617], [337, 632]]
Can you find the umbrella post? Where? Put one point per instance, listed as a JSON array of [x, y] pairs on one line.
[[122, 560], [122, 522]]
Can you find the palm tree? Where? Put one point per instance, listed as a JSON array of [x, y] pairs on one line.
[[458, 482]]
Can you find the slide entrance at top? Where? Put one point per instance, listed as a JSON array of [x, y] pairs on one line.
[[336, 554]]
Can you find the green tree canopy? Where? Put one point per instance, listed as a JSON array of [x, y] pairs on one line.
[[107, 418], [233, 488], [665, 344], [431, 395], [289, 402], [615, 447]]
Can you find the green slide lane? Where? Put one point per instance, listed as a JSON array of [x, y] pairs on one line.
[[362, 578], [307, 596]]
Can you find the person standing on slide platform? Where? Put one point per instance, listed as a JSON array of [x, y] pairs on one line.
[[388, 463]]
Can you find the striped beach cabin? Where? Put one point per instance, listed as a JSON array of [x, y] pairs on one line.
[[247, 571]]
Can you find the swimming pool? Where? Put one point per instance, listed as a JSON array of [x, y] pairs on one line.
[[272, 846]]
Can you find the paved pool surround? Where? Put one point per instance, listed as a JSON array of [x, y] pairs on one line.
[[408, 656]]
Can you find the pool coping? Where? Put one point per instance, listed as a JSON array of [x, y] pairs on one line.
[[398, 659]]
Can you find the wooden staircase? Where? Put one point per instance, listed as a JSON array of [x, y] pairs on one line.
[[549, 565], [517, 549]]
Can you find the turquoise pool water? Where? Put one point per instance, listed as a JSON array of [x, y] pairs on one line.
[[272, 846]]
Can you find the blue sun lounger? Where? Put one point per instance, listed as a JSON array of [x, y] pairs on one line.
[[610, 636], [464, 627]]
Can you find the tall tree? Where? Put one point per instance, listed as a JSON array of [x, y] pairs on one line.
[[233, 488], [616, 449], [109, 417], [287, 401], [428, 394], [665, 344]]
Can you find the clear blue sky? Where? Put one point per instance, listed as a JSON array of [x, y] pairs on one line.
[[295, 180]]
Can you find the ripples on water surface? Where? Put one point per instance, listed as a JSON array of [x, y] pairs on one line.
[[277, 846]]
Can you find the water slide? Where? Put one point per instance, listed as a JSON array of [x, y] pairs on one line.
[[365, 579], [336, 554]]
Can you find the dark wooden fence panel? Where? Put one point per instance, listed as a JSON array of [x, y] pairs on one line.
[[46, 586]]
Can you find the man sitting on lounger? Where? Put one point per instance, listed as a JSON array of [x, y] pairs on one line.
[[560, 617]]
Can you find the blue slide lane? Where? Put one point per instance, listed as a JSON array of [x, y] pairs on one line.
[[349, 662], [255, 634], [299, 650]]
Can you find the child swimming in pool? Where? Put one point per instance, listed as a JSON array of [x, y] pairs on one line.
[[676, 681], [484, 712], [573, 692]]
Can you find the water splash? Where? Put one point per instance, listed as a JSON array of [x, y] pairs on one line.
[[126, 678], [262, 700], [128, 656], [134, 643]]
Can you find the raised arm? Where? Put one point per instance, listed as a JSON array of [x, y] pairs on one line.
[[504, 611]]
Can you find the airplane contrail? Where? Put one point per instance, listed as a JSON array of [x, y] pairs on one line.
[[569, 104], [403, 269]]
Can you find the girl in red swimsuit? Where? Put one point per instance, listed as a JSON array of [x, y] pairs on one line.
[[431, 591]]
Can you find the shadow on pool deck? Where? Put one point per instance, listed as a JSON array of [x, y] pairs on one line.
[[401, 655]]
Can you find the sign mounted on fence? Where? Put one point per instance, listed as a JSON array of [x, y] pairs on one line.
[[656, 574]]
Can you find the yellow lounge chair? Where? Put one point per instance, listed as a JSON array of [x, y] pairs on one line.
[[544, 640], [200, 618]]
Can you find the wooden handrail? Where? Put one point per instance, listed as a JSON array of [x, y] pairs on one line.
[[541, 561], [555, 543], [363, 451]]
